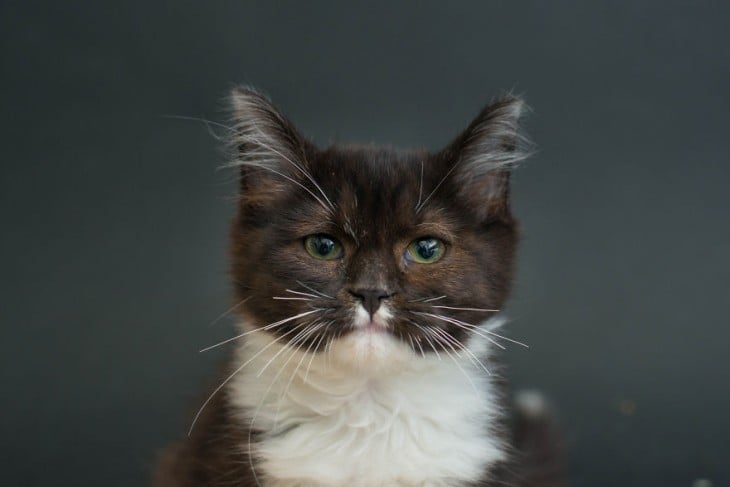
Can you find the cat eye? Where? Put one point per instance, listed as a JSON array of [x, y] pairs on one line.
[[322, 246], [425, 250]]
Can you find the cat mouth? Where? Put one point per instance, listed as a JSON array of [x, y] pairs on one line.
[[372, 327], [365, 323]]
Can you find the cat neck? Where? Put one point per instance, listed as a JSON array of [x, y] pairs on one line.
[[436, 413]]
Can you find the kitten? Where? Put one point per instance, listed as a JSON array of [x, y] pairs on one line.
[[370, 282]]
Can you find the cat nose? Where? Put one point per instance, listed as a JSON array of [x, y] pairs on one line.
[[370, 298]]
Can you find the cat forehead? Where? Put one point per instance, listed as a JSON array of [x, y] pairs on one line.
[[361, 178], [364, 167], [378, 192], [375, 176]]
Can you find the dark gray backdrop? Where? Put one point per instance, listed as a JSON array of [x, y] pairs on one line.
[[114, 218]]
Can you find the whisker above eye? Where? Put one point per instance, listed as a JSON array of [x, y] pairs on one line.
[[262, 164]]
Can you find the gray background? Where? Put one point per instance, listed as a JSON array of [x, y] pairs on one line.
[[114, 218]]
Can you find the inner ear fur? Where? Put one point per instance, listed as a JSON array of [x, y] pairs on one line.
[[267, 148], [481, 158]]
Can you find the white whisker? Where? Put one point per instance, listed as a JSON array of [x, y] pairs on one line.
[[217, 389], [319, 293], [267, 327], [314, 352], [229, 311], [459, 324], [311, 331], [274, 171], [410, 342], [420, 347], [301, 293], [298, 341], [465, 309], [207, 123], [495, 334], [476, 329], [298, 167], [296, 338], [199, 119], [423, 203], [433, 299], [427, 300], [456, 362], [473, 358], [426, 337]]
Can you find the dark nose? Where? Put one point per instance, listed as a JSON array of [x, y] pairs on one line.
[[370, 298]]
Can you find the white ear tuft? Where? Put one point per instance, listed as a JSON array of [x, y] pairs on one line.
[[481, 157], [263, 137], [270, 152], [493, 141]]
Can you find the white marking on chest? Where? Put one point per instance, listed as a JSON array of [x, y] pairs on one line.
[[412, 421]]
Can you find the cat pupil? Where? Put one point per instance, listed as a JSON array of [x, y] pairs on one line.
[[324, 245], [427, 248]]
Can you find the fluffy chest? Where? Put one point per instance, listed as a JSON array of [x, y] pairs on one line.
[[428, 424]]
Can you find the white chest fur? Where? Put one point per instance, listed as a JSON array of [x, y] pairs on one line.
[[407, 421]]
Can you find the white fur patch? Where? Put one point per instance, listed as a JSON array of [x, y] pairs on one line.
[[368, 413]]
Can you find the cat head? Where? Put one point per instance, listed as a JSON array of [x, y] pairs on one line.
[[370, 251]]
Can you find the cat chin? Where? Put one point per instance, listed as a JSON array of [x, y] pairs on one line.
[[370, 351], [370, 346]]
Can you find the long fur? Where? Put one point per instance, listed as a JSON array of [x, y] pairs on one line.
[[402, 420], [370, 368]]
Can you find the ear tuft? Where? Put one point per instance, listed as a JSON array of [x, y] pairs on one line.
[[493, 141], [483, 155], [262, 135], [269, 151]]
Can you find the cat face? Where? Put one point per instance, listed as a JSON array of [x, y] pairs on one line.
[[370, 247]]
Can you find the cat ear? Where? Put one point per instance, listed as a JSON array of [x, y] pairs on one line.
[[269, 150], [482, 156]]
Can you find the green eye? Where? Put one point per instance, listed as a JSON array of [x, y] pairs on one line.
[[322, 246], [425, 250]]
